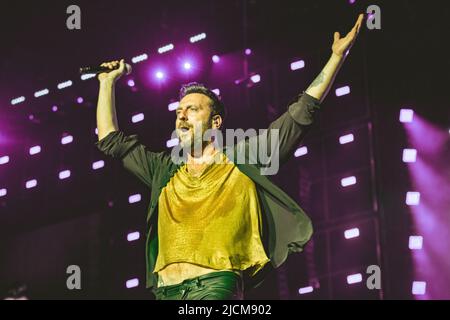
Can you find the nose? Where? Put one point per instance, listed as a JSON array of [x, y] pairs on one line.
[[182, 115]]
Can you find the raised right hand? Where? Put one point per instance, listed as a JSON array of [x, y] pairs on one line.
[[115, 74]]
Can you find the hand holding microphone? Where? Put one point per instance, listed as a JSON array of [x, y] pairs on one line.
[[110, 71]]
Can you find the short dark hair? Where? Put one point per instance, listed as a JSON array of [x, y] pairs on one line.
[[217, 106]]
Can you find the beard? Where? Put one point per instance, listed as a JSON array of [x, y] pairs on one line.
[[192, 140]]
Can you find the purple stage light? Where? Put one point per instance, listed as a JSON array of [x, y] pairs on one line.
[[248, 51], [415, 242], [4, 159], [346, 139], [137, 117], [132, 283], [54, 108], [17, 100], [173, 106], [345, 182], [139, 58], [134, 198], [412, 198], [342, 91], [409, 155], [35, 150], [197, 37], [3, 192], [255, 78], [80, 100], [133, 236], [406, 115], [216, 91], [96, 131], [98, 164], [351, 233], [30, 117], [159, 75], [41, 93], [66, 139], [354, 278], [305, 290], [166, 48], [172, 142], [187, 66], [64, 84], [300, 64], [131, 83], [215, 58], [64, 174], [419, 287], [351, 1], [31, 184], [301, 151]]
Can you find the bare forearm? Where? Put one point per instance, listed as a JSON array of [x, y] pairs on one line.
[[106, 109], [321, 85]]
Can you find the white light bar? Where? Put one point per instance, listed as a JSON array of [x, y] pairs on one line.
[[64, 84], [166, 48], [17, 100], [41, 93], [173, 106], [197, 37], [87, 76], [139, 58]]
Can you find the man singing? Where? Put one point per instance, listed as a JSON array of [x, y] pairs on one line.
[[215, 224]]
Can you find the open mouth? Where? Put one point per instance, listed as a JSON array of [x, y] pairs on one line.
[[184, 129]]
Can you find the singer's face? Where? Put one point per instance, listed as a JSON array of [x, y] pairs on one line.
[[193, 119]]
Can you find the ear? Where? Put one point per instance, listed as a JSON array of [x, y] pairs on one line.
[[216, 121]]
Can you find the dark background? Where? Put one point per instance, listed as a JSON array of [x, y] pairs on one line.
[[84, 220]]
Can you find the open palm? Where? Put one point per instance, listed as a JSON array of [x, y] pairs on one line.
[[341, 45]]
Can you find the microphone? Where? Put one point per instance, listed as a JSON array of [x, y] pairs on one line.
[[100, 69]]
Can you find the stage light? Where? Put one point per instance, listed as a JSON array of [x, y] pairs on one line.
[[131, 83], [342, 91], [346, 139], [159, 75], [409, 155], [137, 117], [351, 1], [66, 139], [412, 198], [134, 198], [419, 287], [64, 174], [87, 76], [301, 151], [132, 283], [80, 100], [300, 64], [415, 242], [31, 184], [354, 278], [3, 192], [351, 233], [35, 150], [4, 159], [96, 131], [166, 48], [139, 58], [345, 182], [17, 100], [187, 66], [172, 142], [305, 290], [406, 115], [215, 58], [197, 37], [248, 51], [255, 78], [41, 93], [133, 236], [64, 84], [173, 106], [54, 108], [216, 91], [98, 164]]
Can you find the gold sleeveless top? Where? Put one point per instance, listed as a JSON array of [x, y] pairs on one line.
[[212, 221]]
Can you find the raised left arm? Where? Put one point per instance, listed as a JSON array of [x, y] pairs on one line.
[[321, 85]]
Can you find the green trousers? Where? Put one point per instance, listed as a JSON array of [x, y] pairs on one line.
[[221, 285]]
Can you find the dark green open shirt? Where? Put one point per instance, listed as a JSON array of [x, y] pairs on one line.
[[286, 228]]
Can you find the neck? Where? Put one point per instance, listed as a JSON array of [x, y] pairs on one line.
[[208, 151]]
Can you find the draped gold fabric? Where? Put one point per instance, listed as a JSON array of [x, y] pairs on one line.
[[213, 220]]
